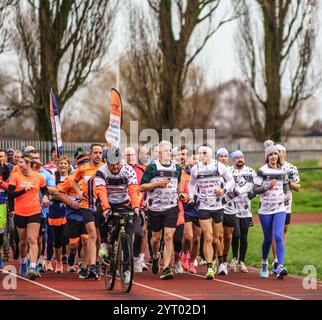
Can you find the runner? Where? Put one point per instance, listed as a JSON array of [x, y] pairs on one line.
[[144, 156], [4, 176], [56, 217], [50, 183], [116, 186], [229, 217], [52, 165], [84, 173], [294, 184], [24, 186], [272, 185], [162, 182], [4, 236], [76, 229], [140, 238], [241, 205], [210, 180]]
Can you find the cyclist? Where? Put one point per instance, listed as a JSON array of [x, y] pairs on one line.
[[116, 186]]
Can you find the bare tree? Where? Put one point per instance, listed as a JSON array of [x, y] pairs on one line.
[[59, 44], [159, 69], [276, 45]]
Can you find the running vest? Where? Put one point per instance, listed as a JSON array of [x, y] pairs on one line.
[[244, 180], [162, 199], [116, 184], [271, 201], [293, 176], [209, 180]]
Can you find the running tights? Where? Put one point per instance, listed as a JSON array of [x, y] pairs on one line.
[[273, 224], [177, 238], [239, 239]]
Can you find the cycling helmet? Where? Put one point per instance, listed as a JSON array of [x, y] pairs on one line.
[[113, 155]]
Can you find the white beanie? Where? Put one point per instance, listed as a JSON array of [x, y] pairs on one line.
[[270, 148], [280, 147], [206, 149], [222, 152]]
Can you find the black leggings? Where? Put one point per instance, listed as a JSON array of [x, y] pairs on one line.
[[240, 238], [59, 235], [177, 238]]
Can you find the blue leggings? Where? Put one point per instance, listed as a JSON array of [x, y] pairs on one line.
[[273, 224]]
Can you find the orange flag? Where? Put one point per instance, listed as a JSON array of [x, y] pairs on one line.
[[113, 132]]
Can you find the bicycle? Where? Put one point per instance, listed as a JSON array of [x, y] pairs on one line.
[[120, 252]]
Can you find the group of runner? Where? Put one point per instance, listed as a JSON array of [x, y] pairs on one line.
[[189, 208]]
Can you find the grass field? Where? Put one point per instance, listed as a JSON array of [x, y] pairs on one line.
[[309, 199], [303, 247]]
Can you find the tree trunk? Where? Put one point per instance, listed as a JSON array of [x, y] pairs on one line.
[[272, 41]]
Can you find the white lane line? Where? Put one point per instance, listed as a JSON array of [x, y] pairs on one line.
[[157, 290], [41, 285], [246, 287], [251, 288]]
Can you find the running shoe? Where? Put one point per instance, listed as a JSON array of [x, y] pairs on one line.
[[156, 265], [127, 277], [71, 268], [83, 274], [281, 273], [93, 273], [37, 271], [192, 268], [274, 267], [49, 266], [242, 267], [32, 274], [144, 266], [264, 270], [167, 274], [178, 267], [214, 266], [41, 268], [202, 262], [185, 261], [1, 262], [233, 265], [210, 274], [137, 265], [195, 263], [23, 270], [222, 270], [59, 267]]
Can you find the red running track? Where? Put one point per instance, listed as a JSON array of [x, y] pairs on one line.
[[235, 286]]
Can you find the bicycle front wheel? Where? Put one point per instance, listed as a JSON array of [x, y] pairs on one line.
[[125, 262], [109, 273]]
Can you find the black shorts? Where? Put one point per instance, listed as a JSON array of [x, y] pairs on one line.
[[194, 220], [88, 216], [21, 221], [76, 229], [288, 218], [216, 215], [229, 220], [159, 220], [42, 229]]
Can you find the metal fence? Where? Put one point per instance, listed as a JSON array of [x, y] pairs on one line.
[[253, 158]]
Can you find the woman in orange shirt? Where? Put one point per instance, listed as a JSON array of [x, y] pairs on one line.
[[24, 187]]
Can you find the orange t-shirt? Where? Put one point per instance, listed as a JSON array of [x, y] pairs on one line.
[[15, 169], [67, 187], [28, 203], [84, 173]]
